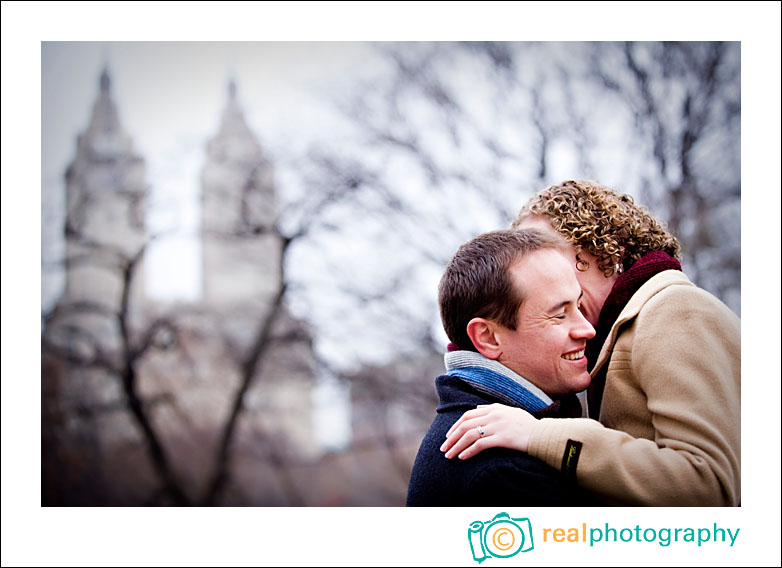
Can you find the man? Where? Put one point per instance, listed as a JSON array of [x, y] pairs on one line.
[[510, 301]]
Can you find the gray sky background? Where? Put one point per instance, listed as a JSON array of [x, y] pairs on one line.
[[170, 96], [232, 537]]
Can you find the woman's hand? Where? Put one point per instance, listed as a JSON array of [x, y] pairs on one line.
[[502, 426]]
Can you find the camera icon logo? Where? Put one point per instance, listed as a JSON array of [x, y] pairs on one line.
[[501, 537]]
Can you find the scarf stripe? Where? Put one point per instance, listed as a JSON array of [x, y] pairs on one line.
[[495, 379]]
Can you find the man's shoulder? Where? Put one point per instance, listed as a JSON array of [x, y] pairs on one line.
[[495, 476]]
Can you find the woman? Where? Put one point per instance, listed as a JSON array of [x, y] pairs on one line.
[[665, 365]]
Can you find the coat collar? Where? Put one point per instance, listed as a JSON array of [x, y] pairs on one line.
[[646, 292]]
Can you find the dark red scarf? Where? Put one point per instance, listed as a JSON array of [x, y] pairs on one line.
[[625, 286]]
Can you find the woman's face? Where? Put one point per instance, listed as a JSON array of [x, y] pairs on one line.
[[593, 282]]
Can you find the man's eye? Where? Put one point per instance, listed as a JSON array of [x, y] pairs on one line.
[[561, 316]]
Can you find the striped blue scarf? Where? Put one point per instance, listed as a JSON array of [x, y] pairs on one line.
[[496, 380]]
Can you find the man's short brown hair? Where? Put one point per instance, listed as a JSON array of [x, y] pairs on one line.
[[477, 280]]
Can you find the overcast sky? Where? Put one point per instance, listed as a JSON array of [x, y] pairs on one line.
[[170, 96]]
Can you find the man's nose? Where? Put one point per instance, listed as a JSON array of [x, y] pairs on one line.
[[583, 329]]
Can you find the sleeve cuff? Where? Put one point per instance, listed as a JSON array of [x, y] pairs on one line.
[[550, 436]]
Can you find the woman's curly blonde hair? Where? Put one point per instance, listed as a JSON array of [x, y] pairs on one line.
[[602, 221]]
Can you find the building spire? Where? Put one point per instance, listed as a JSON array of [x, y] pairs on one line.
[[104, 135], [233, 123], [105, 81]]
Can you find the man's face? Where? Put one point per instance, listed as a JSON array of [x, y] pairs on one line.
[[547, 346], [593, 282]]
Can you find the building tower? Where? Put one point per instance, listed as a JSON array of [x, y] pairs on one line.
[[241, 255], [106, 194], [82, 419], [242, 276]]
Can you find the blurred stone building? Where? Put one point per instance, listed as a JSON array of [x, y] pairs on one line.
[[134, 390]]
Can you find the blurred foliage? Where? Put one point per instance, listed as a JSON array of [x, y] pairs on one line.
[[444, 141]]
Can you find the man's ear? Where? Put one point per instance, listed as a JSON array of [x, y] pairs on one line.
[[482, 333]]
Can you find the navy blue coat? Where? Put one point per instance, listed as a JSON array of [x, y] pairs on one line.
[[495, 477]]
